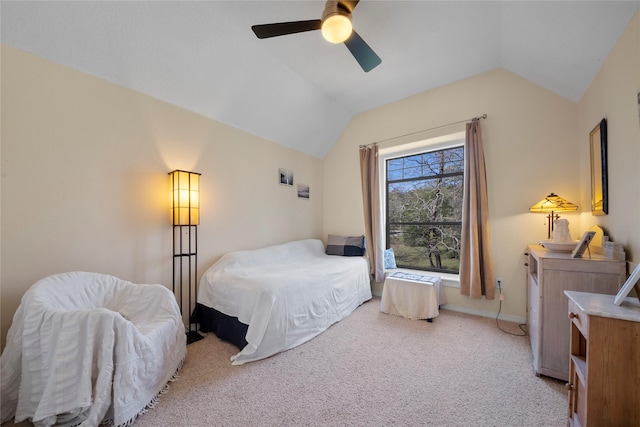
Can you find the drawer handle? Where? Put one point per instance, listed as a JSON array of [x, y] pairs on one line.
[[526, 264], [573, 315], [568, 386]]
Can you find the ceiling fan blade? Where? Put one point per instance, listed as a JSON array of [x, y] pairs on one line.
[[349, 5], [360, 50], [283, 28]]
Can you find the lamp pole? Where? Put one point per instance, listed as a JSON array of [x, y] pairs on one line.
[[185, 217]]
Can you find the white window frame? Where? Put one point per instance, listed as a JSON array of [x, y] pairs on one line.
[[451, 140]]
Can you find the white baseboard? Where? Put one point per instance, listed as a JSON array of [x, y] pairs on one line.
[[489, 314], [506, 317]]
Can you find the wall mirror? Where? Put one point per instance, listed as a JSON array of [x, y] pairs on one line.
[[599, 190]]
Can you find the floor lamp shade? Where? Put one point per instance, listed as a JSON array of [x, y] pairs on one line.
[[184, 190]]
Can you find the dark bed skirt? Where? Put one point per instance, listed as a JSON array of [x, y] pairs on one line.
[[225, 327]]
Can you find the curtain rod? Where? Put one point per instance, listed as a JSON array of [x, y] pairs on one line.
[[473, 119]]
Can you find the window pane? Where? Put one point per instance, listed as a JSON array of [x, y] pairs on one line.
[[431, 164], [395, 164], [412, 172], [430, 200], [424, 209], [427, 247], [393, 175]]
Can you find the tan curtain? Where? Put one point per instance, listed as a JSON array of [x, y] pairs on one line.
[[370, 175], [476, 271]]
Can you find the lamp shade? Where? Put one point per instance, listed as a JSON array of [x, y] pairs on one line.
[[184, 188], [553, 203]]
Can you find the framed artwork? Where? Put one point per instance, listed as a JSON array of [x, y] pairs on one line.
[[286, 177], [628, 285], [303, 191], [583, 244], [599, 187]]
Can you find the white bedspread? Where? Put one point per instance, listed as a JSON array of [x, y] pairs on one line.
[[86, 347], [287, 294]]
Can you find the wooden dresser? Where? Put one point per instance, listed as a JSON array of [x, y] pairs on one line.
[[549, 274], [604, 384]]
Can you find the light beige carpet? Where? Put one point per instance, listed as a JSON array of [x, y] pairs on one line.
[[371, 369]]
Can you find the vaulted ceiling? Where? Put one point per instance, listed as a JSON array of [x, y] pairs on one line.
[[299, 90]]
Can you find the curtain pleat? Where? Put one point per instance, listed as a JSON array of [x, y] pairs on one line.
[[370, 174], [476, 270]]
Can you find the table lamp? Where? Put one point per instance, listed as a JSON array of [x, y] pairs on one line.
[[551, 205]]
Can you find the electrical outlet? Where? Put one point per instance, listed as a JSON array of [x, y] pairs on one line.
[[499, 283]]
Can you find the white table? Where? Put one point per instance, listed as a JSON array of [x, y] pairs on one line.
[[412, 296]]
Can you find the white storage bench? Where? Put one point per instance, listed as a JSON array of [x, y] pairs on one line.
[[413, 296]]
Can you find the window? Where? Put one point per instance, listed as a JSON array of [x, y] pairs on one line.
[[424, 208]]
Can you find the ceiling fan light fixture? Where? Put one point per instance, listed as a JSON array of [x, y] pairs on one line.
[[336, 27]]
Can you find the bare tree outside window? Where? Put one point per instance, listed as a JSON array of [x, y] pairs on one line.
[[424, 209]]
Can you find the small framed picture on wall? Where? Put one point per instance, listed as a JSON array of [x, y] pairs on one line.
[[303, 191], [286, 177]]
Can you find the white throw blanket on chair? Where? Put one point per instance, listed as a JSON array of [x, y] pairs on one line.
[[88, 348]]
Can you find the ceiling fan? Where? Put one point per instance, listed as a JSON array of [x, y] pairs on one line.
[[336, 28]]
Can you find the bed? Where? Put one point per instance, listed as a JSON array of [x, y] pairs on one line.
[[272, 299]]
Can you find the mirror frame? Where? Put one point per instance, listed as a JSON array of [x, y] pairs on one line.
[[599, 179]]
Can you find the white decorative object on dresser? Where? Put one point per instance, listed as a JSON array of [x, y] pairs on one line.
[[601, 244], [631, 282], [549, 274], [605, 361]]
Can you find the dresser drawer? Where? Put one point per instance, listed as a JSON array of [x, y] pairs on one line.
[[578, 318]]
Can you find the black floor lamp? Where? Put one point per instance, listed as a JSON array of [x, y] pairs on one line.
[[185, 217]]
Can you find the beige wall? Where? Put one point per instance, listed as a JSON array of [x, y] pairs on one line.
[[613, 95], [530, 151], [85, 185], [535, 143]]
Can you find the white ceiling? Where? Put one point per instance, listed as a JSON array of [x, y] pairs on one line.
[[298, 90]]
